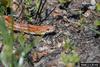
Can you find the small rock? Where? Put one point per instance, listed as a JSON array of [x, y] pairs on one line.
[[87, 13]]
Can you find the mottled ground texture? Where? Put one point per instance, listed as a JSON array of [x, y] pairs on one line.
[[71, 21], [69, 25]]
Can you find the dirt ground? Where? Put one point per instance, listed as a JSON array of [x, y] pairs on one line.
[[73, 21], [67, 23]]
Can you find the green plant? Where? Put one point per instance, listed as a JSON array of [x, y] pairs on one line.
[[69, 56], [70, 59], [23, 49], [96, 30], [63, 1], [68, 45], [35, 9], [37, 3], [7, 52], [12, 56], [98, 6], [2, 9], [97, 22], [4, 4], [8, 55], [28, 2]]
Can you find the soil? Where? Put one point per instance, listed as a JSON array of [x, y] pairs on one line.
[[68, 25], [73, 22]]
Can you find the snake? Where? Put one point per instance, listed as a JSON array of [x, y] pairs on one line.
[[28, 28]]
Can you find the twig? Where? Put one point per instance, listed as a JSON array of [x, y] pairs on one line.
[[48, 14]]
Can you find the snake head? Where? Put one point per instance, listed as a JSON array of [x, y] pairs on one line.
[[48, 29]]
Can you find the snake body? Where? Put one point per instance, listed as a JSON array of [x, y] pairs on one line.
[[28, 28]]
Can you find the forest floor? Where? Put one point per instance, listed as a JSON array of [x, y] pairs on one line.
[[74, 22], [77, 27]]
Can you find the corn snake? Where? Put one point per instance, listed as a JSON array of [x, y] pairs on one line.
[[28, 28]]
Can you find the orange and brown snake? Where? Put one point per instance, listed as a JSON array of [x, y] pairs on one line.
[[28, 28]]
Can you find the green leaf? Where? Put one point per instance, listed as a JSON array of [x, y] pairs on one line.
[[97, 22], [70, 58], [95, 31], [21, 39], [74, 57], [2, 9], [64, 58], [37, 3], [6, 54], [3, 26], [64, 1], [28, 2], [98, 6], [4, 32], [67, 44]]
